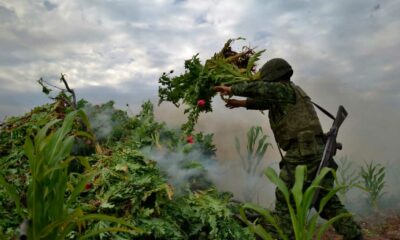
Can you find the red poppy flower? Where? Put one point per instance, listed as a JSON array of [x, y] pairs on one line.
[[201, 103], [88, 186], [190, 139]]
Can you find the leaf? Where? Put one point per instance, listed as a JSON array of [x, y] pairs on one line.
[[327, 197], [79, 188], [264, 213], [107, 205], [198, 79], [273, 177], [325, 226], [252, 61], [12, 192], [297, 190], [122, 168], [110, 229]]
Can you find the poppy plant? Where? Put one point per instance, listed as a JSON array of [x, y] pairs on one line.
[[194, 87], [190, 139]]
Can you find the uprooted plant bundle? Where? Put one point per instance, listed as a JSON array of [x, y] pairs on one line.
[[107, 184], [194, 87]]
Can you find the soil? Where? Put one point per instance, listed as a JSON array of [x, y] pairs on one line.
[[375, 227]]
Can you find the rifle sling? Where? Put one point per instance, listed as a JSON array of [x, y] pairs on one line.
[[318, 106], [323, 110]]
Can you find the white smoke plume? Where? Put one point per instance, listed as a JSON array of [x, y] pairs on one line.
[[101, 120], [226, 175]]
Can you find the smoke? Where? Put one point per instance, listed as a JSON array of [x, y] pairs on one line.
[[182, 167], [359, 145], [357, 200], [101, 119], [226, 170]]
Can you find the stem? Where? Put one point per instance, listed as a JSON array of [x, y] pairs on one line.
[[237, 56], [51, 85], [70, 90], [236, 81]]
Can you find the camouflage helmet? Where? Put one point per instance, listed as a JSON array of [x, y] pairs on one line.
[[275, 69]]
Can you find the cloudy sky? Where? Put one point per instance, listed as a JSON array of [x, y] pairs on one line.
[[343, 52]]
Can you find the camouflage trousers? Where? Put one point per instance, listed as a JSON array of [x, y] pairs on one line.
[[344, 226]]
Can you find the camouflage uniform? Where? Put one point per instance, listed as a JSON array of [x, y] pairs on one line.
[[279, 97]]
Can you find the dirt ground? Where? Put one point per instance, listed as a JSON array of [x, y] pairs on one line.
[[375, 227]]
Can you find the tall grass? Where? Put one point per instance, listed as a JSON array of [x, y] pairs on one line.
[[304, 225]]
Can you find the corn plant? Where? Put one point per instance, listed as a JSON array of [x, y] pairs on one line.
[[346, 177], [50, 214], [373, 176], [255, 150], [304, 226], [257, 145]]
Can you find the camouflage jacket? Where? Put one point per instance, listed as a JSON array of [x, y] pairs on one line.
[[292, 116], [261, 95]]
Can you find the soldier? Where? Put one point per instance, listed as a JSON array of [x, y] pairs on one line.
[[295, 125]]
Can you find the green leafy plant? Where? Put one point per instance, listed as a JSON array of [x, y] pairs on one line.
[[256, 147], [347, 177], [125, 195], [48, 155], [206, 215], [373, 176], [194, 87], [50, 214], [304, 226]]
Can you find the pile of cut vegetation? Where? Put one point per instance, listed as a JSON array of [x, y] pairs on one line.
[[71, 171]]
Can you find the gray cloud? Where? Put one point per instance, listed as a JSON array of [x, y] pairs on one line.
[[17, 103], [7, 15], [49, 5]]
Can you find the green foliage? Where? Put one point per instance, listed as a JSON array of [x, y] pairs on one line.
[[256, 147], [13, 194], [347, 177], [108, 123], [225, 67], [50, 214], [118, 191], [14, 165], [49, 176], [146, 129], [299, 202], [205, 215], [373, 176]]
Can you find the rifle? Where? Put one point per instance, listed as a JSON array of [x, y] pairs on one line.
[[331, 145]]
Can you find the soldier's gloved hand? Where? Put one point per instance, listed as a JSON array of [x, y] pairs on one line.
[[234, 103], [224, 90]]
